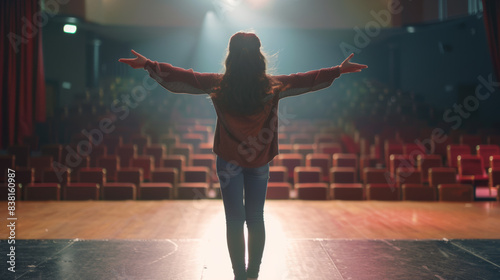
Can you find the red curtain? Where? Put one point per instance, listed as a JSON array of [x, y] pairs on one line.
[[22, 80], [491, 11]]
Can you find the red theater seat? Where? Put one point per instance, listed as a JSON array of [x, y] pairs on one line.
[[169, 140], [343, 191], [61, 177], [382, 192], [97, 152], [195, 182], [157, 151], [126, 152], [485, 151], [377, 176], [112, 142], [278, 190], [456, 192], [345, 175], [155, 191], [132, 175], [425, 162], [81, 191], [194, 139], [206, 148], [418, 192], [408, 176], [182, 149], [392, 147], [345, 160], [304, 149], [329, 148], [42, 191], [40, 164], [140, 141], [414, 150], [304, 174], [453, 151], [471, 170], [174, 161], [308, 183], [290, 161], [163, 183], [111, 163], [322, 161], [495, 161], [95, 175], [442, 175], [278, 174], [146, 163], [119, 191], [285, 148], [400, 161]]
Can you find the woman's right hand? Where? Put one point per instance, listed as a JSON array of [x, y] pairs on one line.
[[138, 62]]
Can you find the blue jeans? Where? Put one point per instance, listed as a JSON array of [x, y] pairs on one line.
[[243, 194]]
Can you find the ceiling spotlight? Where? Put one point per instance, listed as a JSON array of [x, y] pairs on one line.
[[69, 28]]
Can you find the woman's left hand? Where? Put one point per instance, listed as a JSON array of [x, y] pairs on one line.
[[135, 63], [349, 67]]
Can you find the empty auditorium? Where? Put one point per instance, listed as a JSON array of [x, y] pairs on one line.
[[250, 139]]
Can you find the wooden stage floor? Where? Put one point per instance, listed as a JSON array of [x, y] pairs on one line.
[[305, 240]]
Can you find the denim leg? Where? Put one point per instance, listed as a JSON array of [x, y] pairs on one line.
[[231, 180], [255, 180]]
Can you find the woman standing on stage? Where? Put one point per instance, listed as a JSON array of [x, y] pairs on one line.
[[246, 100]]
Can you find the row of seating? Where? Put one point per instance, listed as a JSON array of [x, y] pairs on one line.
[[195, 182]]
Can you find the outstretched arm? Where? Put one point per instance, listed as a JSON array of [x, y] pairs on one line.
[[301, 83], [174, 79]]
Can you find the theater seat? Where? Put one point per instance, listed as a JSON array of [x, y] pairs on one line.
[[81, 191], [456, 192], [377, 176], [312, 191], [157, 151], [322, 161], [308, 183], [344, 191], [290, 161], [119, 191], [278, 174], [424, 162], [382, 192], [195, 182], [155, 191], [278, 190], [485, 151], [163, 183], [453, 151], [442, 175], [418, 192], [471, 170], [343, 175], [42, 191]]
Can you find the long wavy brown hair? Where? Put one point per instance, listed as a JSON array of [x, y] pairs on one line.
[[245, 84]]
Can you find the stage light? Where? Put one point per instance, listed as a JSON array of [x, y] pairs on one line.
[[410, 29], [69, 28]]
